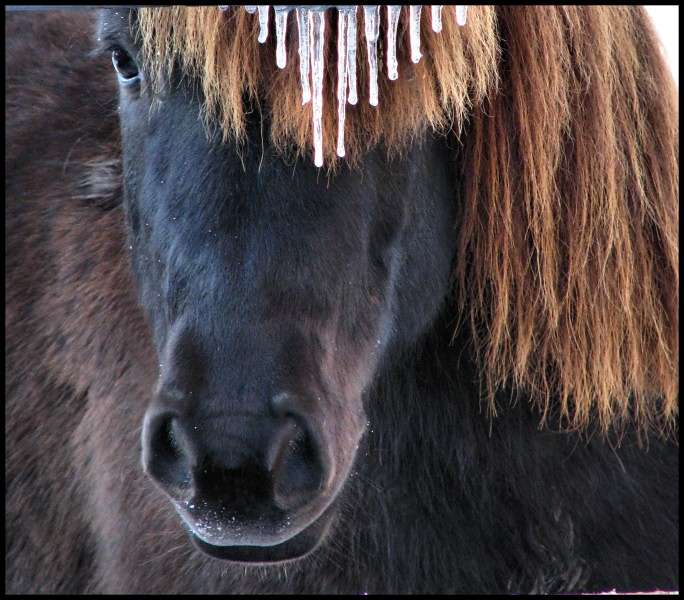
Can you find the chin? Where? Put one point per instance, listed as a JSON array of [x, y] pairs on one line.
[[296, 547]]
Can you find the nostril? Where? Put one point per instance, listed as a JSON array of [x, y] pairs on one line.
[[295, 465], [167, 461]]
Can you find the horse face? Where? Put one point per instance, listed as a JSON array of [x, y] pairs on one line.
[[275, 295]]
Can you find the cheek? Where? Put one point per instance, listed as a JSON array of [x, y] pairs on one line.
[[360, 332], [350, 354], [347, 369]]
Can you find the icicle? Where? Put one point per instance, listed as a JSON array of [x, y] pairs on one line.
[[316, 40], [351, 54], [224, 7], [311, 30], [371, 22], [281, 32], [461, 14], [303, 26], [263, 23], [342, 19], [436, 18], [393, 13], [415, 32]]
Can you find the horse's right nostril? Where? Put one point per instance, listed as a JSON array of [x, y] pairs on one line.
[[164, 456]]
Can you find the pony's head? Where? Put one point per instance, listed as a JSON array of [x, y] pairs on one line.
[[527, 162]]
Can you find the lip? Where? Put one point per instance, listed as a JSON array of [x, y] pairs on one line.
[[296, 547]]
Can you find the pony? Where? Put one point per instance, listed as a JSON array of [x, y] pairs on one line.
[[447, 362]]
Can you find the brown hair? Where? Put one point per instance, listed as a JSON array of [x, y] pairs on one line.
[[567, 269]]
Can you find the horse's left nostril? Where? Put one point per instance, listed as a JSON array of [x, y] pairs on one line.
[[295, 464]]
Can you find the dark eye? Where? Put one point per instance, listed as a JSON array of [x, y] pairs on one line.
[[125, 66]]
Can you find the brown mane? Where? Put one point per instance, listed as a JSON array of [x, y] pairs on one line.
[[567, 269]]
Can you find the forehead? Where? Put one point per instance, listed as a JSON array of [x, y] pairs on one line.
[[222, 50]]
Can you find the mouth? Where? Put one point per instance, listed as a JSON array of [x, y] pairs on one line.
[[296, 547]]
